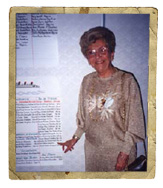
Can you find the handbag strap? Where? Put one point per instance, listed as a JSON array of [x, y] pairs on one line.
[[124, 113]]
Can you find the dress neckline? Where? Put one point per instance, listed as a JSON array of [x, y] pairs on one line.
[[110, 77]]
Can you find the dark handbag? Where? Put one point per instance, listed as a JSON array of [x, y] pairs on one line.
[[140, 163]]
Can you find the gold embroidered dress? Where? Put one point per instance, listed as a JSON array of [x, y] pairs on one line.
[[111, 116]]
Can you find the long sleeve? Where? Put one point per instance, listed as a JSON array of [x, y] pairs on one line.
[[134, 120], [80, 117]]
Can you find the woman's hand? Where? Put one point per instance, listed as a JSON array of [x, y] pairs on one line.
[[69, 144], [122, 161]]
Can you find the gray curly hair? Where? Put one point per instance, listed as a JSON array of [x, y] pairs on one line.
[[97, 33]]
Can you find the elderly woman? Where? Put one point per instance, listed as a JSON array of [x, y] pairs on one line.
[[110, 110]]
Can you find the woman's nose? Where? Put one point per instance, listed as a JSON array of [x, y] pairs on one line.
[[98, 54]]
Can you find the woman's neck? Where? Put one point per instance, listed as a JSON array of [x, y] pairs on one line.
[[110, 71]]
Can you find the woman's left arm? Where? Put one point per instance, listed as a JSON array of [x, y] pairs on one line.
[[134, 121]]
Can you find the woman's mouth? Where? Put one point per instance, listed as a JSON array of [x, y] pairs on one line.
[[99, 62]]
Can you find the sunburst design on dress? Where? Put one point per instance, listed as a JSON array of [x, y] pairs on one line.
[[91, 102], [102, 103]]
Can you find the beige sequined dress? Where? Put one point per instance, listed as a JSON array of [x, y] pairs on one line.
[[111, 116]]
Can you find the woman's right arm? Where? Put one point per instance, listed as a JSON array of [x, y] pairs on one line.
[[80, 116]]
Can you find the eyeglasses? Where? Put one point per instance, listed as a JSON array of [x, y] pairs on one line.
[[101, 51]]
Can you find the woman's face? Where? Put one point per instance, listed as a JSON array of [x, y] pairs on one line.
[[100, 58]]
